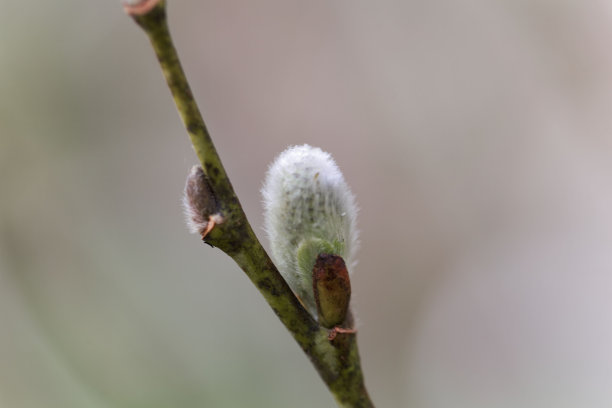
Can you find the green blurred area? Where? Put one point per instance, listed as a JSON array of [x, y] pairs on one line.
[[475, 136]]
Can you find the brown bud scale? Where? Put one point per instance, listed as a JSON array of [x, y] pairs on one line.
[[201, 208], [332, 289]]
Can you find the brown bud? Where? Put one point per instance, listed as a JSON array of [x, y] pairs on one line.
[[201, 209], [332, 289]]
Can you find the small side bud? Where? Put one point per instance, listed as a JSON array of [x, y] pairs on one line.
[[201, 208], [332, 289]]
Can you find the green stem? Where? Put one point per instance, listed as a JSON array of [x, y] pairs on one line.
[[155, 25], [337, 360]]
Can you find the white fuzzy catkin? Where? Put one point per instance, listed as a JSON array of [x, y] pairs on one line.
[[309, 209]]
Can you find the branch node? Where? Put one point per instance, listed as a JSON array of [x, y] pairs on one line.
[[213, 220], [333, 333]]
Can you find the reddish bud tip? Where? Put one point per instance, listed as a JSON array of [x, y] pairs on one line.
[[138, 7]]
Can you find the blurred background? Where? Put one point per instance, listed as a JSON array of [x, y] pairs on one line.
[[476, 135]]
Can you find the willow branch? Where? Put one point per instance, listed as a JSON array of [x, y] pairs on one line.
[[333, 353]]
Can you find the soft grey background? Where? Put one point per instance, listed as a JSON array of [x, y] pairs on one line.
[[476, 136]]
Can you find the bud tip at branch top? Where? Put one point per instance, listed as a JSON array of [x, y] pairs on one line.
[[138, 7]]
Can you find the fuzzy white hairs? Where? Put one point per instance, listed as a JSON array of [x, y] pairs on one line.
[[309, 210]]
